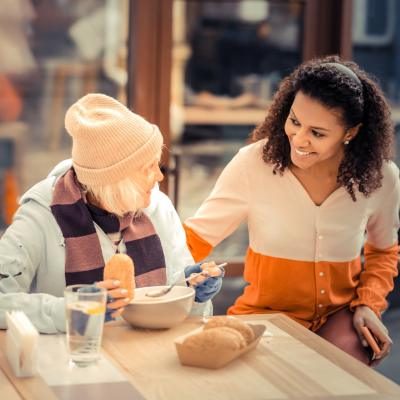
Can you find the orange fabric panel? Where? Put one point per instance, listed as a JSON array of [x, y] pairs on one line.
[[10, 101], [199, 248], [10, 196], [376, 280], [306, 291]]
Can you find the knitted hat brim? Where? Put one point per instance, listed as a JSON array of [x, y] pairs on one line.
[[124, 168]]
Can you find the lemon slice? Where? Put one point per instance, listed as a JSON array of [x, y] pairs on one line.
[[95, 310]]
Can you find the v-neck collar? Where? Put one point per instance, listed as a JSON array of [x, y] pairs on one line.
[[307, 196]]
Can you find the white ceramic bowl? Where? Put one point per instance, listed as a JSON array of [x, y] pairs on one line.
[[159, 312]]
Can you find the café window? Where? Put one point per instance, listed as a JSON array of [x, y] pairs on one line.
[[376, 47]]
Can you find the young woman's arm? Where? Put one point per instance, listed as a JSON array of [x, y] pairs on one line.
[[381, 249], [222, 212]]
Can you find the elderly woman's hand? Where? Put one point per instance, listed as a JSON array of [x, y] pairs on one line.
[[116, 298], [208, 285], [364, 316]]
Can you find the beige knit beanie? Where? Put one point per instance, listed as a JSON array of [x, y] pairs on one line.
[[109, 142]]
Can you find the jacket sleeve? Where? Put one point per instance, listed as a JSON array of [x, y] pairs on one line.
[[21, 250], [222, 212], [380, 253]]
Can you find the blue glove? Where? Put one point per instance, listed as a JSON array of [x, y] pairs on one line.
[[207, 289], [107, 316]]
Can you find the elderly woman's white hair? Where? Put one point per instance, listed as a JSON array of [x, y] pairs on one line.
[[125, 195]]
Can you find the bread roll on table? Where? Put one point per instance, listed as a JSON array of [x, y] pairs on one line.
[[231, 322], [221, 338]]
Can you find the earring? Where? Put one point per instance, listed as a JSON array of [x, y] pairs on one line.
[[346, 142]]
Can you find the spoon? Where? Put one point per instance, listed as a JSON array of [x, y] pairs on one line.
[[167, 289]]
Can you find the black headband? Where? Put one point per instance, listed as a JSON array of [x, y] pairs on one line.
[[347, 71]]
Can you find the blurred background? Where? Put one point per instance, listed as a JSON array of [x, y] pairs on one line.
[[204, 71]]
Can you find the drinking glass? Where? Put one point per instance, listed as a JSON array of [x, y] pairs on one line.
[[85, 308]]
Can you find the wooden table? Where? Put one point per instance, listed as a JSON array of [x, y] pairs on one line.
[[293, 363]]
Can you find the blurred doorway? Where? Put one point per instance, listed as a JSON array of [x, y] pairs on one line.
[[204, 72]]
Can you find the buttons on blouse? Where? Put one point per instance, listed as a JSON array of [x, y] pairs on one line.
[[321, 274], [319, 245], [320, 305], [322, 291]]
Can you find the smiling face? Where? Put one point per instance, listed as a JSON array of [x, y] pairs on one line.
[[316, 134]]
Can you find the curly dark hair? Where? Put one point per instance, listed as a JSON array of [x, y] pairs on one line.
[[359, 100]]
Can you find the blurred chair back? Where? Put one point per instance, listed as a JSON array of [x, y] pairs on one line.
[[11, 134]]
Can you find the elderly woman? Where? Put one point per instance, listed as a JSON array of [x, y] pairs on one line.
[[105, 202]]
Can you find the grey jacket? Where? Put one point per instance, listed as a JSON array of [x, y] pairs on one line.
[[32, 254]]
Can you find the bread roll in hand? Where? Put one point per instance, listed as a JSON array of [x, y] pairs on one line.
[[120, 267]]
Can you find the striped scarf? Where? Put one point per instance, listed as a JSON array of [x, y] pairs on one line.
[[84, 261]]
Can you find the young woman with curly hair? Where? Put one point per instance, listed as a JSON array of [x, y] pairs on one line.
[[316, 187]]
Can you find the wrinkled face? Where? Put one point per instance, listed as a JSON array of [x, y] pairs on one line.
[[150, 175], [316, 134]]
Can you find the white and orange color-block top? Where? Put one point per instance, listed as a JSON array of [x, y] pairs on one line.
[[303, 259]]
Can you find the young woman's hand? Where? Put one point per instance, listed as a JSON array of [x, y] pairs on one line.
[[364, 316], [116, 298]]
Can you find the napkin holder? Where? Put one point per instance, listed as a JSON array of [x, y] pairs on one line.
[[21, 344]]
